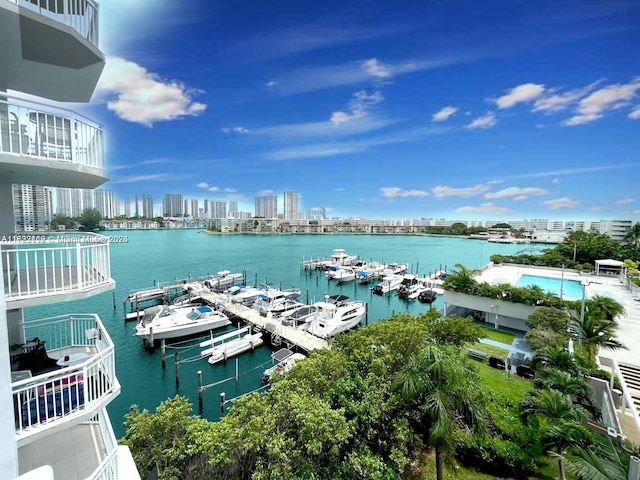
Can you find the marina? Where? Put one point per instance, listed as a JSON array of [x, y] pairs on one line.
[[151, 257]]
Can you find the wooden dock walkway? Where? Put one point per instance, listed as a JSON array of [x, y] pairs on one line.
[[279, 333]]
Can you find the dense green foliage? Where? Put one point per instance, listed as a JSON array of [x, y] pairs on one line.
[[90, 219], [548, 328], [366, 408]]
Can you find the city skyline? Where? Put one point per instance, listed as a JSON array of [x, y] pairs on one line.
[[374, 110]]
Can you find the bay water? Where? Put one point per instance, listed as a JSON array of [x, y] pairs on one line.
[[165, 255]]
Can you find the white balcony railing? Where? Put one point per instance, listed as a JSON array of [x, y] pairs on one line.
[[45, 131], [79, 389], [108, 469], [44, 265], [81, 15]]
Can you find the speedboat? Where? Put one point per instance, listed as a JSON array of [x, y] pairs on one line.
[[224, 280], [395, 268], [246, 295], [334, 315], [146, 295], [298, 315], [369, 272], [344, 274], [172, 322], [230, 344], [388, 284], [338, 257], [408, 286], [277, 301], [284, 366], [427, 296]]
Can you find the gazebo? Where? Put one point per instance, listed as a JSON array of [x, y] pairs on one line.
[[609, 267]]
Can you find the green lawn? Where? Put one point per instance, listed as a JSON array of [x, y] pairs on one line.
[[428, 472], [499, 335], [491, 350]]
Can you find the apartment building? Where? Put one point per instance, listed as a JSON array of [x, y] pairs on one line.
[[57, 375]]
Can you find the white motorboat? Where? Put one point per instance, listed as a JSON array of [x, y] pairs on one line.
[[283, 366], [224, 280], [140, 296], [230, 344], [408, 286], [388, 284], [298, 315], [338, 257], [395, 268], [172, 322], [369, 272], [277, 301], [334, 315], [246, 295], [344, 274]]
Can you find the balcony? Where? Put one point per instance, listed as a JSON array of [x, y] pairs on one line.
[[50, 48], [65, 383], [55, 268], [44, 145], [85, 451]]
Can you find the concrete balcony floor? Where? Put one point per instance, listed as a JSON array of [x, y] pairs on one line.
[[74, 453]]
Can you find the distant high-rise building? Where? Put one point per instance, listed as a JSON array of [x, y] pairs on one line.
[[233, 209], [147, 206], [291, 200], [318, 213], [137, 208], [32, 207], [206, 206], [195, 213], [172, 205], [127, 208], [217, 209], [104, 202], [267, 206]]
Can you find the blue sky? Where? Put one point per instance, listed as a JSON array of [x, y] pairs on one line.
[[403, 109]]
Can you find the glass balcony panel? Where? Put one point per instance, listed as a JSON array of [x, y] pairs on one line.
[[81, 15], [54, 265], [30, 128], [65, 370]]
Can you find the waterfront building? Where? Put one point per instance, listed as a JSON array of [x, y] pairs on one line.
[[195, 212], [266, 206], [147, 206], [127, 209], [137, 208], [317, 213], [616, 229], [217, 209], [233, 209], [56, 421], [172, 205], [291, 201], [32, 206]]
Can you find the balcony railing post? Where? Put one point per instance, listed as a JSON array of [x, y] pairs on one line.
[[79, 265]]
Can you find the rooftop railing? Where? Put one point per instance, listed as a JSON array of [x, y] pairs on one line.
[[44, 265], [108, 468], [81, 15], [77, 385], [45, 131]]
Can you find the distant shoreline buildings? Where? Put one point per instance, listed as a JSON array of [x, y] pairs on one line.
[[34, 208]]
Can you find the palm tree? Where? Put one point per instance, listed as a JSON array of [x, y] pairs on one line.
[[602, 460], [441, 387], [558, 419], [633, 234], [594, 332], [607, 306], [555, 357]]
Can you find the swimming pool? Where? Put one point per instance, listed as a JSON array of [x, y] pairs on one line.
[[571, 289]]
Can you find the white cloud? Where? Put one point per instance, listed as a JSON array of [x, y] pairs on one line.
[[555, 102], [482, 123], [444, 114], [272, 84], [152, 177], [358, 107], [393, 192], [265, 192], [520, 94], [485, 208], [237, 129], [635, 114], [203, 185], [625, 201], [139, 96], [563, 203], [376, 68], [213, 189], [516, 193], [442, 191], [611, 97]]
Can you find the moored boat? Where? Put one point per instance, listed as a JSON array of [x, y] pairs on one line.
[[335, 315], [166, 322], [285, 365], [230, 344]]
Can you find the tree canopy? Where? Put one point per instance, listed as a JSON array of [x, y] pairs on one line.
[[90, 219]]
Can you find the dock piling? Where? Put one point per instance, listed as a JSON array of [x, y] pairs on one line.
[[222, 402], [177, 363], [237, 371], [151, 341], [163, 348], [200, 391]]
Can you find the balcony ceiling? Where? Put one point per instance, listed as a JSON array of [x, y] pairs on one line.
[[46, 58], [15, 168]]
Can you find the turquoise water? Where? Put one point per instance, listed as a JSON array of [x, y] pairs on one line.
[[164, 255], [571, 289]]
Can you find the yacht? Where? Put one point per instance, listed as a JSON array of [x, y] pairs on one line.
[[369, 272], [409, 285], [338, 257], [230, 345], [334, 315], [224, 280], [163, 322], [388, 284], [344, 274], [299, 315], [277, 301]]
